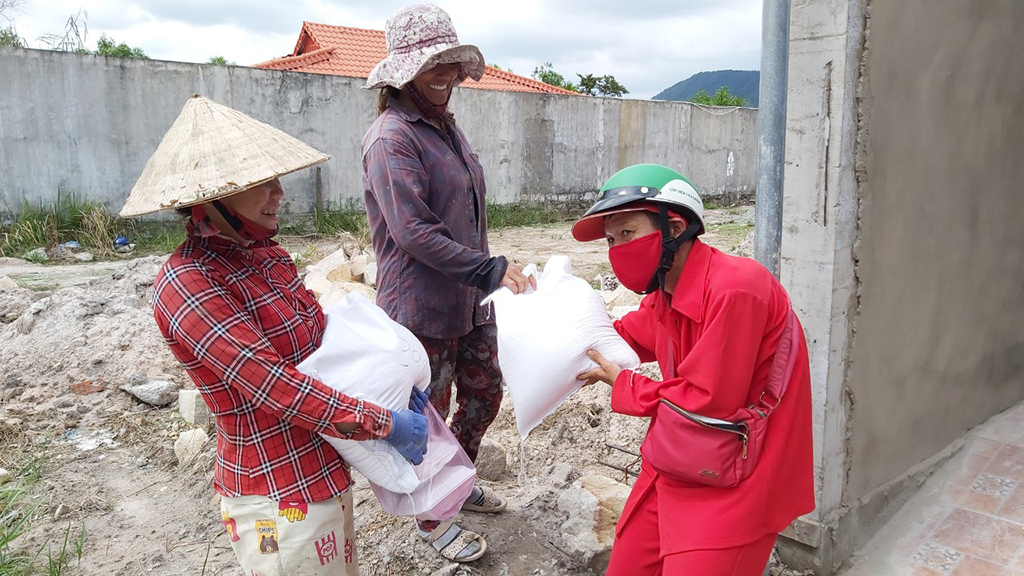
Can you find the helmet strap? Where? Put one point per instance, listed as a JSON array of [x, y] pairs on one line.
[[669, 248]]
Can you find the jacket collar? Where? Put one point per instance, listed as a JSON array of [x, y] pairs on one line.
[[689, 295], [410, 113]]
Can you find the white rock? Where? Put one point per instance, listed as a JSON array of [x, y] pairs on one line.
[[621, 296], [594, 503], [491, 460], [189, 445], [193, 409], [351, 271], [5, 476], [338, 290], [154, 393], [327, 263], [318, 284], [370, 274], [84, 257], [6, 282]]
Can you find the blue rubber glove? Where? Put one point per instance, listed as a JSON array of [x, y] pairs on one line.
[[418, 400], [409, 435]]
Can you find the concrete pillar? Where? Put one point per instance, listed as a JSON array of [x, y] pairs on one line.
[[819, 230]]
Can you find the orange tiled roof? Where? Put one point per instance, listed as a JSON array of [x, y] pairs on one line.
[[344, 51]]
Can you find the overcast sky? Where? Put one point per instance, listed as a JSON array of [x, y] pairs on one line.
[[647, 45]]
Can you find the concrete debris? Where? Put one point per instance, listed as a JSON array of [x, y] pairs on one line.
[[593, 503], [62, 511], [193, 409], [326, 264], [319, 285], [27, 320], [337, 290], [607, 282], [351, 271], [370, 274], [189, 445], [154, 393], [491, 460], [561, 474], [621, 296]]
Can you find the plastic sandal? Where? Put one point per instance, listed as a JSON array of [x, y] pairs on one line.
[[455, 544], [490, 502]]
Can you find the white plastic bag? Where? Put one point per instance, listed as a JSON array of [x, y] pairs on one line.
[[446, 477], [367, 355], [543, 338]]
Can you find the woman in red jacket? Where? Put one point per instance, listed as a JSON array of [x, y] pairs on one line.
[[713, 322]]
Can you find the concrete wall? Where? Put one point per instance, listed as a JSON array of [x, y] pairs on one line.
[[87, 124], [940, 334], [901, 244]]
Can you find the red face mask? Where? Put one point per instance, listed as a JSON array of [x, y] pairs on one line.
[[635, 263]]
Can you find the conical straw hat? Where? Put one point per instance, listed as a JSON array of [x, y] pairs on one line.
[[212, 151]]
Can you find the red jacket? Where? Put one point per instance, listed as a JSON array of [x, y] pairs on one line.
[[714, 344]]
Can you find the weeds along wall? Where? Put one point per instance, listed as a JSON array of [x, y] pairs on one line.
[[85, 125]]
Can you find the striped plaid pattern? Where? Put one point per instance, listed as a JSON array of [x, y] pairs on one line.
[[239, 319]]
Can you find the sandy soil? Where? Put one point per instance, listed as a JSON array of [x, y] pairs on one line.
[[96, 463]]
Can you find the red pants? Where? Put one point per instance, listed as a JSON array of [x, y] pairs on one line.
[[637, 550]]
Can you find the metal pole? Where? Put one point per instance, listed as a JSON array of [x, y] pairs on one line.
[[771, 133]]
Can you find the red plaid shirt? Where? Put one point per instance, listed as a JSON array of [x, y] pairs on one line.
[[239, 319]]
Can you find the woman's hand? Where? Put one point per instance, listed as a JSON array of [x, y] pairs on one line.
[[606, 371], [516, 281]]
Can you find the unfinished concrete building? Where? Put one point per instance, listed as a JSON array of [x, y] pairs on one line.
[[902, 244]]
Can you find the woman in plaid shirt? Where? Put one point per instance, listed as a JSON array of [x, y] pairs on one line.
[[231, 306]]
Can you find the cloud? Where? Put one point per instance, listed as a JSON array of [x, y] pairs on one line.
[[648, 45]]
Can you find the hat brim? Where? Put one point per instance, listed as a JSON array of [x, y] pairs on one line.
[[397, 70], [590, 228], [210, 152]]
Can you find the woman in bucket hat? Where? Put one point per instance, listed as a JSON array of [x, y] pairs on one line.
[[716, 325], [231, 307], [425, 200]]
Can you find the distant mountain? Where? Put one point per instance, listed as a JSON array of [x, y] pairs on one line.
[[742, 83]]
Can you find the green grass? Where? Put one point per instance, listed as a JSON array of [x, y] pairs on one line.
[[54, 557], [13, 523], [331, 222], [525, 214], [88, 223], [69, 218], [353, 219], [58, 560]]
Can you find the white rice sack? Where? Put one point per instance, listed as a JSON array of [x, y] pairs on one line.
[[543, 338], [368, 356]]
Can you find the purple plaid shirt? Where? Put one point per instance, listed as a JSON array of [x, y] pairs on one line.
[[425, 203]]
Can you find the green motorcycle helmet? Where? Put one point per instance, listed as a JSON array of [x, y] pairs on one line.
[[641, 187]]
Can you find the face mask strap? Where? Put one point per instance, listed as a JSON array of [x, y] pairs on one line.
[[230, 218], [669, 247], [243, 227]]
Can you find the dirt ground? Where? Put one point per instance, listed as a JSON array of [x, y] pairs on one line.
[[98, 465]]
